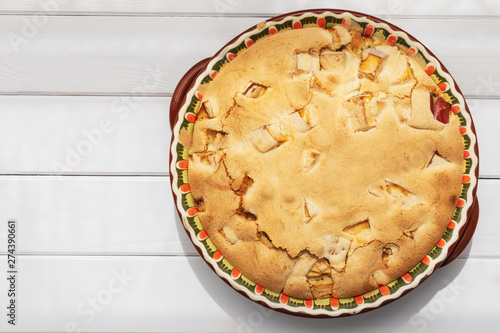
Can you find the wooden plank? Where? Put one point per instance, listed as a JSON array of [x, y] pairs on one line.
[[95, 215], [136, 215], [148, 55], [487, 135], [240, 7], [175, 294], [68, 135], [65, 135]]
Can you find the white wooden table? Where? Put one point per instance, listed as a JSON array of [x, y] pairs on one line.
[[85, 88]]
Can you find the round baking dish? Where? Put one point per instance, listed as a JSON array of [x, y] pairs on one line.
[[185, 104]]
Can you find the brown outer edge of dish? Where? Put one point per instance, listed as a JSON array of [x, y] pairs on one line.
[[187, 82]]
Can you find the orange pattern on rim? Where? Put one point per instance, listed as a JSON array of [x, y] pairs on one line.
[[334, 303], [430, 70], [321, 22], [235, 273], [391, 39], [346, 23], [192, 211], [411, 52], [185, 188], [217, 255], [369, 30], [441, 243], [384, 290], [183, 165], [191, 117], [249, 42], [443, 86], [258, 289], [202, 235], [407, 277]]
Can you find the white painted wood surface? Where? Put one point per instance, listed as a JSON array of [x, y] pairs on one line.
[[249, 8], [148, 294], [101, 249], [95, 55], [65, 134]]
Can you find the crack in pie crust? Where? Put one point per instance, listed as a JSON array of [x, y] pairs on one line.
[[324, 163]]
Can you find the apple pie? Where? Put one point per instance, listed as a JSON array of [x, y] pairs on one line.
[[324, 163]]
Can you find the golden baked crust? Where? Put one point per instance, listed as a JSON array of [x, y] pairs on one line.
[[318, 166]]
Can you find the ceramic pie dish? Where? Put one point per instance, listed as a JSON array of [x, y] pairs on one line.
[[186, 104]]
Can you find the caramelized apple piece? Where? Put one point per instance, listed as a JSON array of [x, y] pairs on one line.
[[263, 140], [360, 231], [371, 119], [202, 114], [310, 210], [275, 131], [335, 250], [205, 158], [254, 90], [229, 234], [206, 110], [244, 185], [441, 110], [321, 286], [437, 161], [264, 239], [396, 190], [319, 268], [334, 61], [296, 122], [309, 114], [310, 158], [421, 114], [306, 62], [340, 36], [306, 116], [372, 63], [214, 139]]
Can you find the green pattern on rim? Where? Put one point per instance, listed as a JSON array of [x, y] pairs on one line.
[[327, 306]]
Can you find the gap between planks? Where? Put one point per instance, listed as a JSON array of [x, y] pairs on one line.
[[132, 175], [149, 95], [174, 255], [260, 15]]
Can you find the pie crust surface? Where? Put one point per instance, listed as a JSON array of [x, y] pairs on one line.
[[324, 163]]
